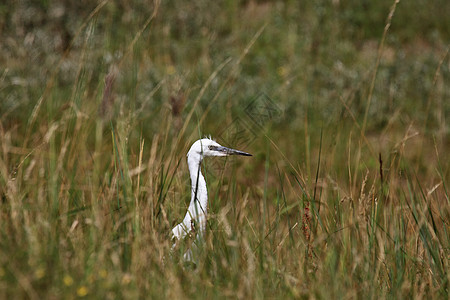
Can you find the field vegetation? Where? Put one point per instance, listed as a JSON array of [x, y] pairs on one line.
[[344, 105]]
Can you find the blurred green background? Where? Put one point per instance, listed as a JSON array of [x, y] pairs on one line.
[[308, 56], [100, 100]]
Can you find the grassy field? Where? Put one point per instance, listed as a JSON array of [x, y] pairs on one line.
[[343, 104]]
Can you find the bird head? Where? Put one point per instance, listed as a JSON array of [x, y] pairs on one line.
[[208, 147]]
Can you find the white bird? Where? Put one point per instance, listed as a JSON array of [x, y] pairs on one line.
[[195, 218]]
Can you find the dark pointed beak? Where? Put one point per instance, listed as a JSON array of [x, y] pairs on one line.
[[230, 151]]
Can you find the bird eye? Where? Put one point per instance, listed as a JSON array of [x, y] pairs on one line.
[[211, 147]]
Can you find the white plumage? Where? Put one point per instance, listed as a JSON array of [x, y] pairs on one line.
[[195, 218]]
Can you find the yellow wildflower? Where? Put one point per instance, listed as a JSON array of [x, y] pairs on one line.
[[68, 281], [170, 70], [103, 273], [39, 273], [82, 291]]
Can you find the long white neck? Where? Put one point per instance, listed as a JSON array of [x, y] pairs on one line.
[[195, 218], [199, 194]]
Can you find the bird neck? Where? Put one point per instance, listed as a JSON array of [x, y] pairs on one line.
[[199, 193]]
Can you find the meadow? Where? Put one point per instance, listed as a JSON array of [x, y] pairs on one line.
[[344, 105]]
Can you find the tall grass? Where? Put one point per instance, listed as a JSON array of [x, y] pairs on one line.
[[346, 195]]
